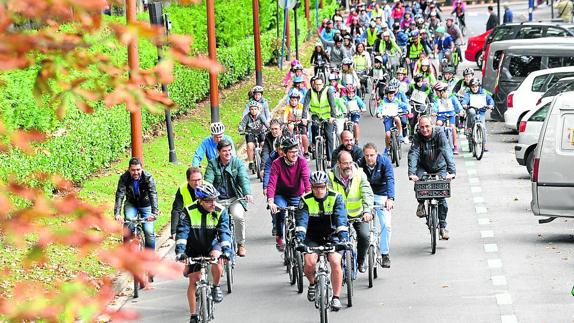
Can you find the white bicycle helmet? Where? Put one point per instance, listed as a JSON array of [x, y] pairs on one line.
[[347, 61], [318, 178], [254, 103], [206, 191], [257, 89], [217, 128]]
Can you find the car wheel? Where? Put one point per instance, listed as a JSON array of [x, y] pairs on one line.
[[480, 59], [530, 161]]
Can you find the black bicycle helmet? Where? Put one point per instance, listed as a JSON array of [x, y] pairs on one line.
[[474, 81], [257, 89], [468, 71], [288, 143], [418, 77]]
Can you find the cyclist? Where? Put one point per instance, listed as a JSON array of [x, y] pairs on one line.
[[347, 144], [288, 181], [319, 57], [414, 49], [299, 85], [456, 35], [320, 219], [388, 47], [338, 89], [448, 75], [275, 131], [266, 173], [256, 94], [339, 92], [427, 72], [348, 47], [203, 230], [185, 196], [320, 102], [463, 86], [349, 75], [390, 101], [290, 74], [404, 80], [458, 9], [293, 117], [395, 86], [347, 179], [208, 146], [253, 125], [419, 92], [138, 188], [426, 40], [443, 44], [431, 153], [378, 75], [447, 107], [355, 106], [401, 37], [336, 50], [468, 102], [434, 22], [228, 175], [362, 63], [328, 33], [407, 20], [380, 173], [371, 34]]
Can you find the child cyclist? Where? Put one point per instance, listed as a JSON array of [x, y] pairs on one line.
[[446, 107], [419, 94], [378, 75], [253, 125], [290, 74], [389, 109], [354, 106], [256, 94], [293, 118], [395, 84], [479, 99], [339, 92], [402, 76], [299, 85]]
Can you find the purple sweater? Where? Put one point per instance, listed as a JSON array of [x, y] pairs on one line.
[[288, 181]]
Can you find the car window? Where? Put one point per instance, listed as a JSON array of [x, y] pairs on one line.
[[538, 83], [496, 60], [560, 61], [521, 66], [529, 32], [556, 32], [567, 131], [571, 29], [555, 78], [540, 115], [501, 33], [559, 87]]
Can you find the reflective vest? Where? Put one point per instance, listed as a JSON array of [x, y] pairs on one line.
[[195, 217], [186, 194], [383, 47], [371, 37], [360, 62], [316, 208], [319, 104], [353, 198], [416, 50]]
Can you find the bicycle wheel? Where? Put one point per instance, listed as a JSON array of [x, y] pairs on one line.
[[292, 266], [349, 276], [371, 264], [258, 167], [449, 135], [140, 240], [323, 298], [229, 276], [202, 306], [299, 271], [372, 103], [319, 156], [432, 225], [479, 139], [395, 150]]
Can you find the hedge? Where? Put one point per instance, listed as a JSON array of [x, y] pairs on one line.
[[84, 143]]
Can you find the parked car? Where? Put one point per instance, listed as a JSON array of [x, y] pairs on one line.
[[552, 175], [528, 135], [517, 62], [524, 98], [475, 48], [562, 85]]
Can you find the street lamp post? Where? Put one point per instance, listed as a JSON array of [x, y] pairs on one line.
[[133, 63], [296, 30], [212, 52], [257, 44]]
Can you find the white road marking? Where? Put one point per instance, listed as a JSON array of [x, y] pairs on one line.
[[483, 221], [498, 280], [478, 199], [490, 247], [474, 181], [503, 299], [480, 210], [494, 263], [476, 189], [469, 163], [487, 234], [471, 171], [508, 319]]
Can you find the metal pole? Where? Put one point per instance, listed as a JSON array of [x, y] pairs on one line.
[[212, 51], [133, 63], [288, 35], [552, 9], [498, 10], [308, 17], [317, 13], [157, 17], [257, 44], [531, 8], [296, 31], [277, 16], [283, 41]]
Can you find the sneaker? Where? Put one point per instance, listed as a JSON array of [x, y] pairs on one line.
[[421, 212], [455, 150], [362, 267], [194, 319], [443, 234], [241, 250], [386, 261], [273, 232], [336, 304], [216, 293], [311, 293], [279, 244], [150, 278]]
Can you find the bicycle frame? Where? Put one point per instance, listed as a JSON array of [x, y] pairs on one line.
[[321, 145], [138, 238], [204, 301], [229, 266]]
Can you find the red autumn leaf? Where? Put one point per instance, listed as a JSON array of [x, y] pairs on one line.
[[24, 139], [199, 62]]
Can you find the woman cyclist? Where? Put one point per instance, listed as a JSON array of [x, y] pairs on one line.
[[293, 118], [446, 107]]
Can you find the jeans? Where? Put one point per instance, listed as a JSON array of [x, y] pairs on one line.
[[384, 217], [130, 213], [442, 205], [363, 231], [470, 115], [282, 201], [237, 213], [329, 129]]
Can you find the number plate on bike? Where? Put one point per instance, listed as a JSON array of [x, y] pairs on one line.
[[432, 189]]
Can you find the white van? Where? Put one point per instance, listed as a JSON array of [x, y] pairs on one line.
[[553, 174]]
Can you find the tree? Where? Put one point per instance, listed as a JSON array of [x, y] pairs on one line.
[[74, 76]]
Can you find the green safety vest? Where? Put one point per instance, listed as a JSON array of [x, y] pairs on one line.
[[319, 106], [354, 198], [210, 221], [383, 48], [186, 194], [325, 207], [360, 62], [416, 50], [371, 37]]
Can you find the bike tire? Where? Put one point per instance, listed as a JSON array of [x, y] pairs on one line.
[[319, 156], [371, 264], [299, 269], [372, 103], [258, 166], [349, 276], [323, 299], [140, 238], [395, 151], [229, 276], [433, 227], [203, 306], [479, 141], [292, 267]]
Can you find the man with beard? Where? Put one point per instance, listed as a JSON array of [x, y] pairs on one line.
[[347, 144]]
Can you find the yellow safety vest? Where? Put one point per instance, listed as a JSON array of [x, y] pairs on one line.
[[354, 198], [371, 37], [360, 62], [186, 194], [314, 206], [195, 216], [416, 50], [319, 106]]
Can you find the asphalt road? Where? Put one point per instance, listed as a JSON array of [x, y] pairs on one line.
[[500, 265]]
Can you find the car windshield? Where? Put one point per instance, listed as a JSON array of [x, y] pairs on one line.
[[559, 87], [540, 115]]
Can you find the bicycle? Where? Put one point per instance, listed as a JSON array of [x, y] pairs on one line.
[[477, 136], [374, 256], [430, 188], [204, 300], [320, 151], [364, 81], [448, 132], [393, 62], [395, 149], [321, 71], [138, 239], [323, 277], [374, 97], [257, 150], [229, 266], [292, 259], [350, 266]]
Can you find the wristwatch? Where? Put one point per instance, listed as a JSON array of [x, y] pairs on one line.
[[391, 198]]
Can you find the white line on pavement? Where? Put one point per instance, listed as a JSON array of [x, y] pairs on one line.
[[494, 263], [503, 299], [474, 181], [483, 221], [487, 234], [490, 247], [508, 319], [476, 189], [471, 171], [480, 210], [478, 199], [498, 280]]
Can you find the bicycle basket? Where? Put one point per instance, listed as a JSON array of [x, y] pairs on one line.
[[432, 189]]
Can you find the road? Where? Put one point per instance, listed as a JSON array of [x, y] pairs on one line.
[[500, 265]]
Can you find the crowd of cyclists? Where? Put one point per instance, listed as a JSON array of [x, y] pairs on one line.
[[398, 60]]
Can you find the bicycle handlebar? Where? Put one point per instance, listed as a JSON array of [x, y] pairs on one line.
[[200, 260]]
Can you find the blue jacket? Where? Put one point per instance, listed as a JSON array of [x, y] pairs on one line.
[[267, 171], [360, 104], [455, 105], [208, 148], [328, 35], [507, 18], [489, 100], [433, 155], [323, 227], [402, 38], [381, 177]]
